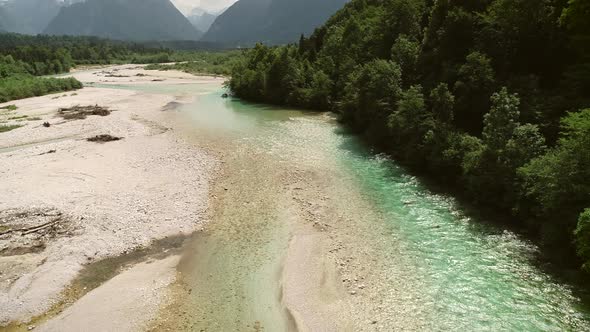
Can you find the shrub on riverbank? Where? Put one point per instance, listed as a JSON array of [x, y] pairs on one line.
[[19, 87], [583, 238], [9, 108], [17, 80], [215, 63], [4, 128]]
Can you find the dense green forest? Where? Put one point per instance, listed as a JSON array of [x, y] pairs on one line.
[[488, 97], [45, 51], [25, 86], [24, 58], [21, 62]]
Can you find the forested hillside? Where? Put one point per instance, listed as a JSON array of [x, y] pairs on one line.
[[489, 97]]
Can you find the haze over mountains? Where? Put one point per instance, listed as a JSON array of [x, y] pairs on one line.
[[214, 7], [28, 16], [3, 19], [202, 19], [270, 21], [242, 24], [139, 20]]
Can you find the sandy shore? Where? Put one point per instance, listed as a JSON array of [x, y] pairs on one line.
[[137, 290], [93, 200], [135, 74]]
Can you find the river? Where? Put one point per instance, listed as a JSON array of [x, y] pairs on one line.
[[311, 230]]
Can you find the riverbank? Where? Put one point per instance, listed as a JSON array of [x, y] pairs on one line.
[[306, 228], [81, 201]]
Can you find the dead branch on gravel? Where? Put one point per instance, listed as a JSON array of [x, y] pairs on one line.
[[103, 139], [26, 231], [48, 152], [29, 230], [42, 227], [81, 112]]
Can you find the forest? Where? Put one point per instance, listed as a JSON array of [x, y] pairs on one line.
[[24, 58], [18, 80], [490, 98]]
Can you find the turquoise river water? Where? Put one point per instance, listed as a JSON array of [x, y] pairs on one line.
[[469, 274]]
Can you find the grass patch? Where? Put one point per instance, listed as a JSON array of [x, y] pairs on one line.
[[4, 129], [35, 118], [9, 107], [18, 117]]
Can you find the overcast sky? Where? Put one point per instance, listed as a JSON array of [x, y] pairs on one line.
[[208, 5]]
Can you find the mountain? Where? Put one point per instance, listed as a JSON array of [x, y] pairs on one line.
[[239, 23], [270, 21], [3, 19], [201, 19], [138, 20], [29, 16], [289, 19]]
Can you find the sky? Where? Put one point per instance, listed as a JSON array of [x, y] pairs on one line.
[[209, 5]]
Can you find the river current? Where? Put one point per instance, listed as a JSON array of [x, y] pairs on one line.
[[462, 272]]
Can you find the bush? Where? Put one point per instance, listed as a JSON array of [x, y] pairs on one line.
[[23, 86], [582, 234]]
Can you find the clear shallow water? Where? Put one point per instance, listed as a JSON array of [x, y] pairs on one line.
[[479, 276], [473, 275]]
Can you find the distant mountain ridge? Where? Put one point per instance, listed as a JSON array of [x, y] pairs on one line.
[[238, 24], [201, 19], [136, 20], [270, 21]]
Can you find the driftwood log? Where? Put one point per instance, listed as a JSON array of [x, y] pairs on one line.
[[33, 229]]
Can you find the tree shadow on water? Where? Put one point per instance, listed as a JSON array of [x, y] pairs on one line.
[[479, 220]]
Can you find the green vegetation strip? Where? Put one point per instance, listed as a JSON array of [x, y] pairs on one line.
[[208, 63], [4, 129], [9, 107]]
